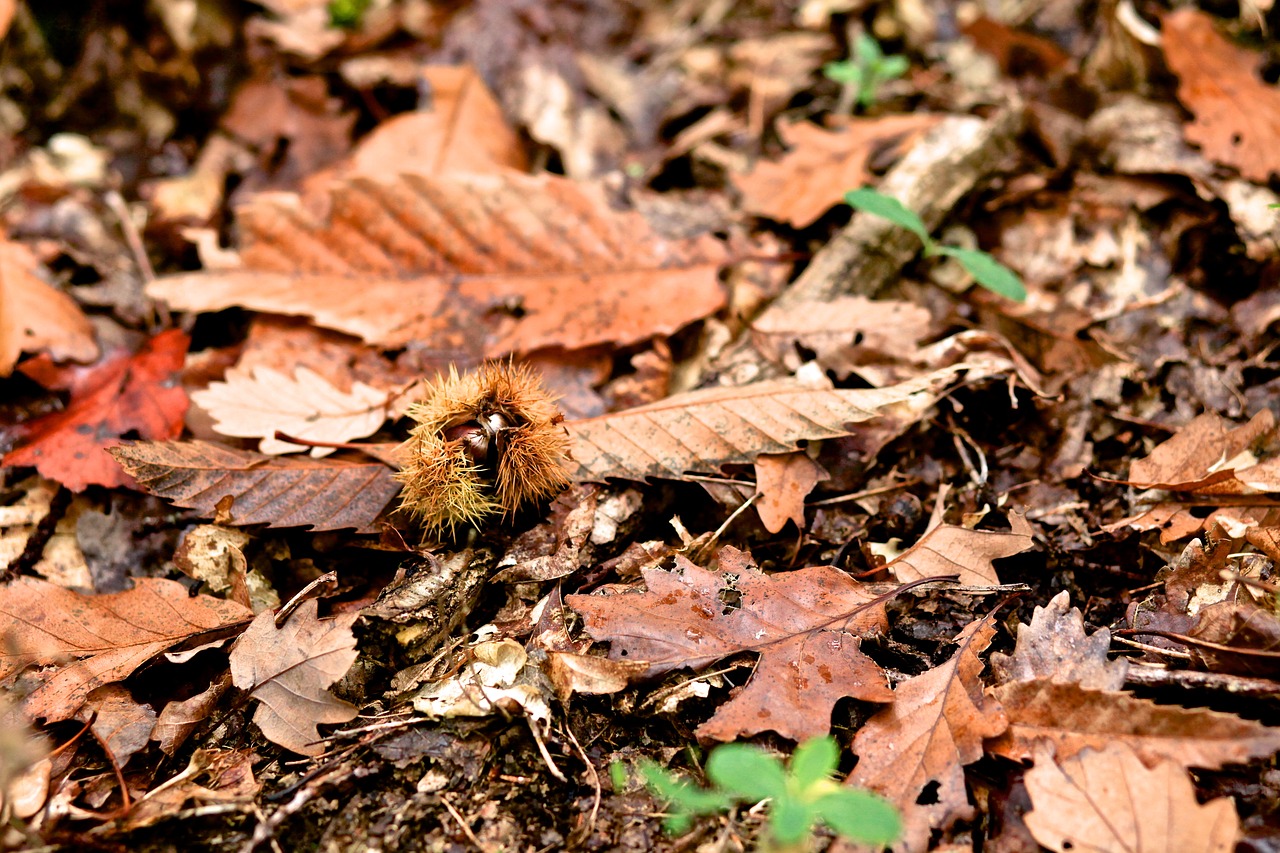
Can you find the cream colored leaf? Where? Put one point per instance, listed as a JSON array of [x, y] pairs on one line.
[[36, 317], [258, 403]]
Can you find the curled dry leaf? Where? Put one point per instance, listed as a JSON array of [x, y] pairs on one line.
[[499, 674], [125, 392], [1109, 800], [935, 726], [951, 550], [106, 637], [121, 725], [289, 669], [257, 403], [324, 494], [1055, 647], [1210, 455], [477, 265], [35, 317], [805, 625]]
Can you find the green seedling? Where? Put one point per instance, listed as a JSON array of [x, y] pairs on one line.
[[866, 70], [800, 795], [346, 14], [986, 270]]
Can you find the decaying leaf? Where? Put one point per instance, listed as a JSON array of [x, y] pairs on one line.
[[122, 725], [125, 392], [951, 550], [1055, 647], [499, 674], [1237, 114], [258, 403], [35, 317], [784, 480], [805, 625], [935, 726], [289, 669], [823, 164], [1210, 455], [705, 429], [106, 637], [1107, 799], [325, 494], [888, 326], [480, 265]]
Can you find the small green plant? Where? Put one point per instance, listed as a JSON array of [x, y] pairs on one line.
[[986, 270], [800, 795], [866, 70], [346, 14]]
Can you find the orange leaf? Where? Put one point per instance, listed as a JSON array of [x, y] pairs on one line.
[[140, 392], [35, 316], [478, 265], [784, 480]]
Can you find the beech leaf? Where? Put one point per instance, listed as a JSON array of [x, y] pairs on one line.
[[324, 494], [35, 316], [480, 265], [289, 669], [106, 637], [1109, 800], [257, 403], [805, 625]]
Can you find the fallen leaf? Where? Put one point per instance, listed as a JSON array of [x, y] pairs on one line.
[[823, 165], [229, 776], [106, 637], [479, 265], [1074, 718], [1055, 647], [498, 676], [827, 329], [1237, 114], [784, 480], [36, 317], [257, 403], [288, 669], [178, 720], [806, 626], [324, 494], [705, 429], [1207, 456], [951, 550], [935, 726], [463, 130], [1109, 800], [121, 725], [139, 392]]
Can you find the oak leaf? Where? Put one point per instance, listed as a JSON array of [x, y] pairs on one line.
[[705, 429], [1210, 455], [324, 494], [1074, 718], [823, 164], [106, 637], [1237, 114], [935, 726], [289, 669], [126, 392], [806, 626], [1055, 647], [951, 550], [784, 480], [35, 316], [257, 403], [1109, 800], [478, 265]]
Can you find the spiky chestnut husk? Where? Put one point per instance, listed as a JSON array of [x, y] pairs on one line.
[[487, 442]]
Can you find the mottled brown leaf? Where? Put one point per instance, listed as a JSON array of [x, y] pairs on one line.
[[951, 550], [1055, 647], [805, 625], [106, 637], [1108, 800], [325, 494], [478, 265], [289, 669], [35, 316], [121, 725], [935, 726]]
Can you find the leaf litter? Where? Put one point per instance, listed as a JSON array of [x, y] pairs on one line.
[[643, 201]]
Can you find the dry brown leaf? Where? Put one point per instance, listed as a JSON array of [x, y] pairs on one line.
[[34, 316], [106, 637], [935, 726], [289, 669], [1055, 647], [121, 725], [784, 480], [324, 494], [1108, 800], [257, 403], [464, 130], [805, 624], [823, 165], [705, 429], [229, 777], [952, 550], [1237, 113], [1075, 718], [178, 720], [1208, 456], [887, 326], [476, 265]]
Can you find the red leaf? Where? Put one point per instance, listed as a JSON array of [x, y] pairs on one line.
[[139, 392]]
